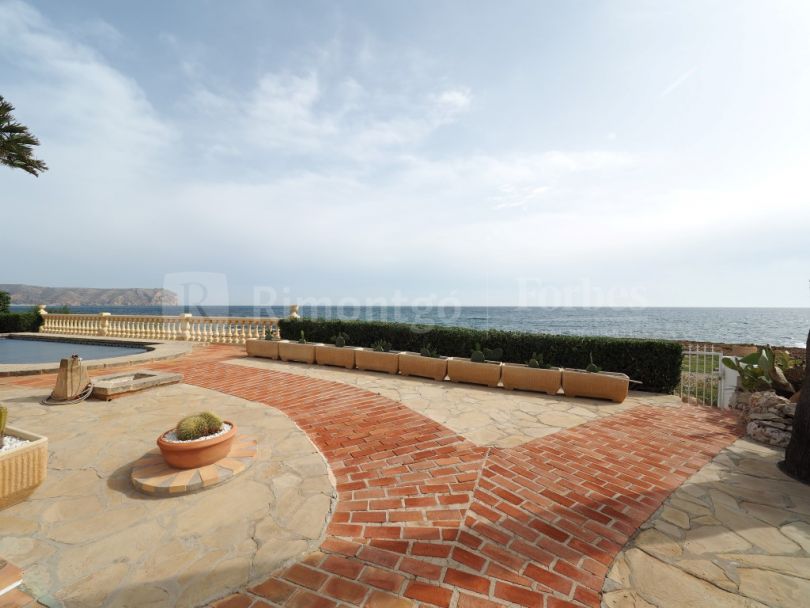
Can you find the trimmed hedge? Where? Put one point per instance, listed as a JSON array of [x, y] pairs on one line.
[[19, 321], [655, 363]]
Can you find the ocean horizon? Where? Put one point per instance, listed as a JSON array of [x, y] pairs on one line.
[[775, 326]]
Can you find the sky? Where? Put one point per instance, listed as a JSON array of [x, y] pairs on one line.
[[426, 152]]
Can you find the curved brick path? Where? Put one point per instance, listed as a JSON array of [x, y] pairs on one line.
[[425, 517]]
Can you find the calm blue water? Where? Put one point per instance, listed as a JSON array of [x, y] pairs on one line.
[[776, 326], [47, 351]]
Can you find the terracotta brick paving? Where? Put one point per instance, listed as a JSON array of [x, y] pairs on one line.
[[426, 518]]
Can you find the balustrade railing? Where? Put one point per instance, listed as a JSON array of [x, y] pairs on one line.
[[217, 330]]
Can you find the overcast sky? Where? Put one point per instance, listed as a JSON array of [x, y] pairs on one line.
[[542, 153]]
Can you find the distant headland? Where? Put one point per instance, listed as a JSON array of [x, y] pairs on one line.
[[89, 296]]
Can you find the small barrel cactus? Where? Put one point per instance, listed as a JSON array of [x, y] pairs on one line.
[[340, 339], [593, 367], [477, 355], [198, 425], [3, 419]]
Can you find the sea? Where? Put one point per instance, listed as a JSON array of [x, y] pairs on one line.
[[775, 326]]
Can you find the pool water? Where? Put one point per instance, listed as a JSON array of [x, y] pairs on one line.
[[51, 351]]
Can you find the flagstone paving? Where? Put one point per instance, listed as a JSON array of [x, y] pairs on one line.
[[427, 517], [735, 534], [484, 416], [87, 538]]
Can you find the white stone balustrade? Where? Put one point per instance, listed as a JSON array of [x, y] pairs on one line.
[[216, 330]]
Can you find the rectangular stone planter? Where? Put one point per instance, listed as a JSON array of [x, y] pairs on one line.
[[329, 354], [525, 378], [375, 361], [295, 351], [267, 349], [22, 469], [464, 370], [600, 385], [414, 364], [115, 385]]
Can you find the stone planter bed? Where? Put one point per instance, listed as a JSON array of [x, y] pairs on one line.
[[337, 356], [376, 361], [115, 385], [296, 351], [464, 370], [597, 385], [612, 386], [525, 378], [23, 465], [267, 349], [414, 364]]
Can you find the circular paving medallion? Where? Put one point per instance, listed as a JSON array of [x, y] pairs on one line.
[[152, 475]]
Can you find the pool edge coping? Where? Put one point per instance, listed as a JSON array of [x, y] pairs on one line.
[[157, 350]]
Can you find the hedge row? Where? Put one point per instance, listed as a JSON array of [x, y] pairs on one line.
[[19, 321], [655, 363]]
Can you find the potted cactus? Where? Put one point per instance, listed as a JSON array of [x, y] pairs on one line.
[[378, 358], [336, 354], [266, 348], [197, 441], [536, 375], [425, 364], [23, 462], [483, 367], [595, 383], [301, 351]]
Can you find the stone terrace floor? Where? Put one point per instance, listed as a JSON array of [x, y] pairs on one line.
[[427, 516]]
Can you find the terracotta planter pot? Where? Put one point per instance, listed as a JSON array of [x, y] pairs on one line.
[[22, 469], [193, 454], [295, 351], [371, 360], [267, 349], [464, 370], [601, 385], [329, 354], [525, 378], [414, 364]]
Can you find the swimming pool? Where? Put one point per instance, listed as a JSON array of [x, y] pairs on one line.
[[16, 350]]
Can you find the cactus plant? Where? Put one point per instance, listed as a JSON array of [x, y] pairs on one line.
[[592, 367], [197, 426], [272, 333], [537, 362], [381, 346], [762, 370], [480, 355], [302, 339], [429, 351], [340, 339], [3, 419]]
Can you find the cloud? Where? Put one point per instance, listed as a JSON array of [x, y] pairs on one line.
[[454, 101], [86, 113], [325, 178]]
